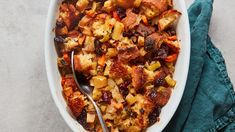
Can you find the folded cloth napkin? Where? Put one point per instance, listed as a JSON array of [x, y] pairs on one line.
[[208, 103]]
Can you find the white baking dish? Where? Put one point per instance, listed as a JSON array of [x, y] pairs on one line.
[[180, 74]]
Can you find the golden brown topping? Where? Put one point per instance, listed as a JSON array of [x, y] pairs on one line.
[[99, 81], [127, 50]]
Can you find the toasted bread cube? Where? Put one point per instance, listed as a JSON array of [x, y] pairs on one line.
[[167, 19]]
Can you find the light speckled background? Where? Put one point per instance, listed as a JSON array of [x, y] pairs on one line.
[[26, 103]]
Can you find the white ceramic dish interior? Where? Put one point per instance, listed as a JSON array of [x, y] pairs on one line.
[[180, 74]]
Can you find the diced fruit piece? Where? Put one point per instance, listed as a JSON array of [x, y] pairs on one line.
[[96, 94], [130, 99], [116, 95], [90, 117], [99, 81], [107, 68]]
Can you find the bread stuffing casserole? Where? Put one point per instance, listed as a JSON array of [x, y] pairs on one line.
[[126, 51]]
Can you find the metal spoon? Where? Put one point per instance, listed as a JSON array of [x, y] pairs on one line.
[[86, 90]]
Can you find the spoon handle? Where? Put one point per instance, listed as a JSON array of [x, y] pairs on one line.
[[99, 114]]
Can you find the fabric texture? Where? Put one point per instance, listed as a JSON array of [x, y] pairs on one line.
[[208, 103]]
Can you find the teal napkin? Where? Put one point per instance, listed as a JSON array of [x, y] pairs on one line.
[[208, 103]]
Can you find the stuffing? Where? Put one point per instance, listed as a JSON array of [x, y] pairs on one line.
[[126, 51]]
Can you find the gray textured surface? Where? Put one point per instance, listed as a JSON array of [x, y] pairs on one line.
[[26, 103]]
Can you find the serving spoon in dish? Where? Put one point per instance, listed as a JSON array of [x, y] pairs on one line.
[[86, 90]]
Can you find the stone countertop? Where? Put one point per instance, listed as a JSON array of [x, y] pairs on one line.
[[26, 103]]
